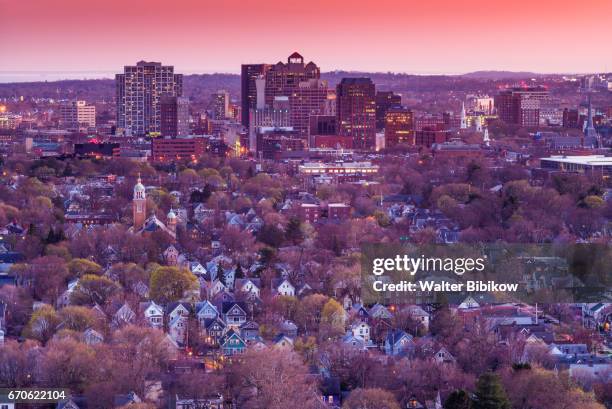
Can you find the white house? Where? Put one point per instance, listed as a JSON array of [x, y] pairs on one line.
[[153, 313], [285, 288], [361, 330]]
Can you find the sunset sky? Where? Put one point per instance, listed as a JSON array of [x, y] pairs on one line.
[[425, 36]]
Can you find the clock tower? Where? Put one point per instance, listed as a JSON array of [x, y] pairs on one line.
[[139, 205]]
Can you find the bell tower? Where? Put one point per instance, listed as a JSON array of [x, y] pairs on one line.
[[139, 204]]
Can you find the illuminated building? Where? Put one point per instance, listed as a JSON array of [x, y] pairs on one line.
[[384, 101], [139, 91], [248, 89], [174, 116], [520, 105], [77, 114], [356, 111], [282, 79], [177, 149], [308, 99], [272, 142], [399, 127], [220, 104], [594, 164]]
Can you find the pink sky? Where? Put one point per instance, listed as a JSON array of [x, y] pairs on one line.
[[433, 36]]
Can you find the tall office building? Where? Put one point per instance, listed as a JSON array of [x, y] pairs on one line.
[[521, 105], [384, 101], [282, 79], [399, 127], [248, 89], [174, 114], [139, 90], [220, 104], [77, 114], [356, 111], [308, 99]]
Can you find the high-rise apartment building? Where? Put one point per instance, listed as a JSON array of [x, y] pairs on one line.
[[139, 91], [248, 89], [356, 111], [220, 104], [521, 105], [77, 114], [384, 101], [282, 79], [174, 116], [399, 127]]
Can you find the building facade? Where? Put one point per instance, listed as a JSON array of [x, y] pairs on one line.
[[356, 111], [139, 91], [174, 116]]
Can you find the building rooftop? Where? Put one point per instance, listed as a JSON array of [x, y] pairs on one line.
[[593, 160]]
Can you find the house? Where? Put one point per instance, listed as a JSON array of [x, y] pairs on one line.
[[178, 327], [443, 357], [284, 287], [249, 330], [361, 311], [92, 337], [232, 344], [468, 303], [178, 308], [289, 328], [398, 343], [249, 286], [361, 330], [420, 315], [197, 269], [206, 310], [2, 334], [282, 342], [171, 255], [379, 311], [235, 314], [214, 288], [214, 329], [124, 315], [356, 342], [153, 314]]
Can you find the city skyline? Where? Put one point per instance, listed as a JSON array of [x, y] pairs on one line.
[[74, 40]]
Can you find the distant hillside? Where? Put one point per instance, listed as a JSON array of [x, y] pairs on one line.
[[198, 87], [500, 75]]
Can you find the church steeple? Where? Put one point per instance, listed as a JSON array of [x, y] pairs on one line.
[[463, 117], [139, 204]]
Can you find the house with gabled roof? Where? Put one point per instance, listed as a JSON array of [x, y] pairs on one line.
[[398, 343], [177, 328], [283, 287], [124, 315], [235, 314], [92, 337], [178, 308], [282, 342], [444, 357], [249, 330], [379, 311], [153, 314], [250, 286], [232, 343], [361, 330], [206, 310], [214, 329]]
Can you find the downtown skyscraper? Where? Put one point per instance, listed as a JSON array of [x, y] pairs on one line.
[[139, 92], [356, 111]]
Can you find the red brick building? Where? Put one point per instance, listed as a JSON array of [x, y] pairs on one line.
[[171, 149]]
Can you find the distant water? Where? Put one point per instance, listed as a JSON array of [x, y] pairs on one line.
[[35, 76]]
